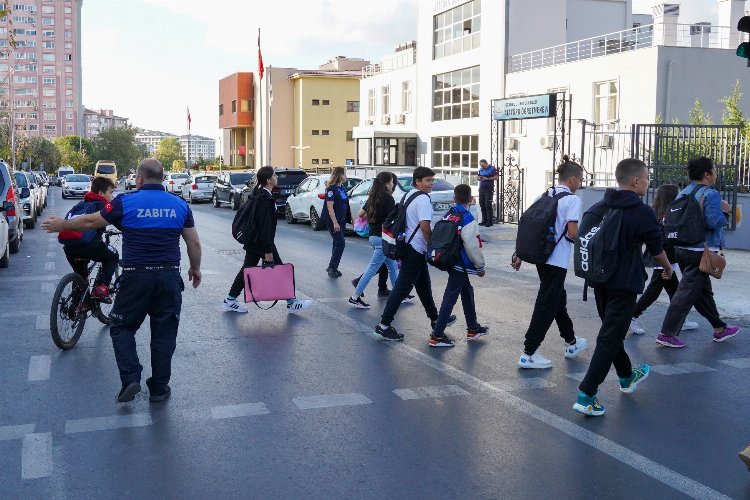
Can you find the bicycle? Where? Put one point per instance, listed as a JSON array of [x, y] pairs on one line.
[[73, 302]]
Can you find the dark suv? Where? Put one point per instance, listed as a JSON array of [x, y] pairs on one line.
[[289, 179], [229, 186]]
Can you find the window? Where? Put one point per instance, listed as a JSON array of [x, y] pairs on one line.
[[385, 100], [22, 91], [68, 45], [24, 19], [352, 106], [50, 104], [325, 161], [325, 132], [371, 103], [316, 102], [48, 69], [20, 43], [49, 92], [48, 45], [405, 97], [68, 81], [456, 155], [315, 161], [68, 22], [32, 127], [234, 106], [605, 104], [24, 8], [316, 132], [221, 110], [363, 150], [456, 30], [67, 92], [326, 102], [50, 115], [349, 136], [23, 67], [48, 33], [395, 151], [69, 127], [68, 34], [48, 80], [246, 106], [455, 95], [68, 10], [68, 104], [48, 57], [48, 21], [48, 127], [68, 57], [48, 9], [24, 79], [69, 115], [68, 69], [24, 55]]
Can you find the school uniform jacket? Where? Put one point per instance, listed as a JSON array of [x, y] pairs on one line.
[[472, 258]]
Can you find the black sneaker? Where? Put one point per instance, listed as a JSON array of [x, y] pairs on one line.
[[451, 320], [358, 303], [156, 397], [355, 282], [408, 299], [441, 341], [475, 333], [128, 392], [384, 292], [389, 333], [333, 273]]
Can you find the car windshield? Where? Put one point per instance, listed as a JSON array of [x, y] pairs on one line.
[[204, 179], [287, 178], [179, 176], [105, 169], [240, 178], [21, 180], [77, 178], [406, 183]]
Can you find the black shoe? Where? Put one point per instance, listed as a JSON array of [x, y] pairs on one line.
[[128, 392], [333, 273], [155, 398], [441, 341], [358, 303], [389, 333], [339, 273], [355, 282], [383, 293], [451, 320], [408, 299]]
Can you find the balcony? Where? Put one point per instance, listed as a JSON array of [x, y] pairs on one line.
[[700, 35], [402, 58]]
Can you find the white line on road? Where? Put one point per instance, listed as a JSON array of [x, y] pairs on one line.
[[242, 410], [39, 367], [107, 423], [10, 432], [24, 279], [49, 266], [680, 369], [42, 322], [36, 456], [329, 400], [51, 254], [20, 314], [523, 384], [430, 391], [737, 362]]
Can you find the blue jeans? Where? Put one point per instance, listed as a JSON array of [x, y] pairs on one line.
[[338, 244], [158, 294], [458, 284], [377, 260]]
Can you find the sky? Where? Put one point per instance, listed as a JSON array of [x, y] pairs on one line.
[[149, 60]]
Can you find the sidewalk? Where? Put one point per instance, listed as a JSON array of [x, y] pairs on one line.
[[732, 291]]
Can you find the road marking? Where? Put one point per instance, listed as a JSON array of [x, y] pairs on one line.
[[741, 363], [10, 432], [330, 400], [430, 391], [42, 322], [242, 410], [39, 367], [331, 300], [51, 254], [48, 287], [107, 423], [36, 456], [650, 468], [523, 384], [49, 266], [680, 369], [611, 377], [20, 314], [24, 279]]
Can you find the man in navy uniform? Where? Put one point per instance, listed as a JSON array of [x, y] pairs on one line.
[[151, 221]]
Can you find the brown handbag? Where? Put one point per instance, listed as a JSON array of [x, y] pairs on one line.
[[712, 263]]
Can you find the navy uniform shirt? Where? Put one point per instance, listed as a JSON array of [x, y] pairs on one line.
[[337, 194], [151, 221]]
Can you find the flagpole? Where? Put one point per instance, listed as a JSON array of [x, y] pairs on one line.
[[260, 109], [189, 165], [270, 115]]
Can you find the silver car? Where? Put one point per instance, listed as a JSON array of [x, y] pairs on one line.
[[41, 184], [199, 187], [27, 199], [75, 185]]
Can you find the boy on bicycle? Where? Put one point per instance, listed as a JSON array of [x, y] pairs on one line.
[[81, 247]]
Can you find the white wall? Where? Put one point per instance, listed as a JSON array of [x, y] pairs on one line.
[[534, 24], [590, 18], [394, 79]]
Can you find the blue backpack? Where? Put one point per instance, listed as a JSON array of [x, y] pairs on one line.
[[80, 238]]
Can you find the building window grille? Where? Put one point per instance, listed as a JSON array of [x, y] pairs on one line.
[[455, 95], [457, 30], [326, 102], [325, 132], [316, 102], [456, 155]]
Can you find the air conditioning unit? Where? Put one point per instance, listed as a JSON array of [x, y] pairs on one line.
[[547, 141], [386, 120], [369, 121], [510, 143], [604, 141], [401, 119]]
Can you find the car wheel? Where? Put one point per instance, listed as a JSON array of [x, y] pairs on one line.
[[234, 202], [6, 257], [215, 200], [288, 214], [64, 197], [190, 199], [32, 223], [315, 222], [15, 245]]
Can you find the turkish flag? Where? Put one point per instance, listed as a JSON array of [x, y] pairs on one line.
[[261, 69]]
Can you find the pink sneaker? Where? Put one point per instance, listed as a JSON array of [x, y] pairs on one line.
[[729, 331], [668, 341], [101, 292]]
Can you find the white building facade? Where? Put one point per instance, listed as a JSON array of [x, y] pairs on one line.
[[152, 138], [197, 147], [96, 120]]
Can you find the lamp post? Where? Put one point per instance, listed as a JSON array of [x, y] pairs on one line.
[[300, 149]]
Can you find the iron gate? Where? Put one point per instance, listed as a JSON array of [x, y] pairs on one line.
[[509, 187], [666, 150]]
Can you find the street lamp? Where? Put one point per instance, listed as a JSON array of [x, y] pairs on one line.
[[300, 149]]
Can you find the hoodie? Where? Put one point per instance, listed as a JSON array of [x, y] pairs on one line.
[[264, 223], [471, 258], [639, 226]]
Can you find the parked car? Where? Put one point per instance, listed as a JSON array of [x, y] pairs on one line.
[[4, 236], [75, 185], [229, 188], [199, 187], [10, 193], [289, 179], [54, 180], [130, 182], [27, 200], [441, 196], [173, 181], [307, 202], [41, 186]]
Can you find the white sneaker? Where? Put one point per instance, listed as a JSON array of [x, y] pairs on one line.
[[689, 325], [298, 306], [635, 328], [572, 351], [233, 306], [536, 360]]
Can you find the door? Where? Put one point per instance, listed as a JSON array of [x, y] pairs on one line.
[[309, 197], [222, 187], [294, 199], [359, 196]]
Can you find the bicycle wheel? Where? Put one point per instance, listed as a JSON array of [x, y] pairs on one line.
[[101, 309], [67, 314]]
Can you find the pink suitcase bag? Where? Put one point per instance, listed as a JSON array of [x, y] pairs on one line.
[[265, 284]]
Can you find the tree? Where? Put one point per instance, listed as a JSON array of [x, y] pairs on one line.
[[40, 153], [732, 114], [118, 145], [177, 165], [77, 152], [698, 115], [168, 151]]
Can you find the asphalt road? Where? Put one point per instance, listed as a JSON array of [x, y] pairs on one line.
[[271, 405]]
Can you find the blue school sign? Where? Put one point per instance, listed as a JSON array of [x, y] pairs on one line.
[[524, 108]]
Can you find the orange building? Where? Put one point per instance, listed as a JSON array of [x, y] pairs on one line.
[[236, 119]]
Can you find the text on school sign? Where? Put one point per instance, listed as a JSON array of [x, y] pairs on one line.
[[524, 108]]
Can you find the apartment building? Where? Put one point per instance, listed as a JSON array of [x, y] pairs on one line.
[[96, 120], [237, 119], [40, 78], [197, 147], [152, 138]]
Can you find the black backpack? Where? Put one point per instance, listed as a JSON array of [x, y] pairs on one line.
[[536, 241], [444, 249], [596, 254], [80, 238], [244, 220], [684, 224], [394, 229]]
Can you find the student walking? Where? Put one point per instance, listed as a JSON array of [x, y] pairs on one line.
[[414, 272], [262, 246], [335, 214], [487, 177], [615, 298], [664, 196], [551, 300], [470, 261], [383, 290], [695, 287]]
